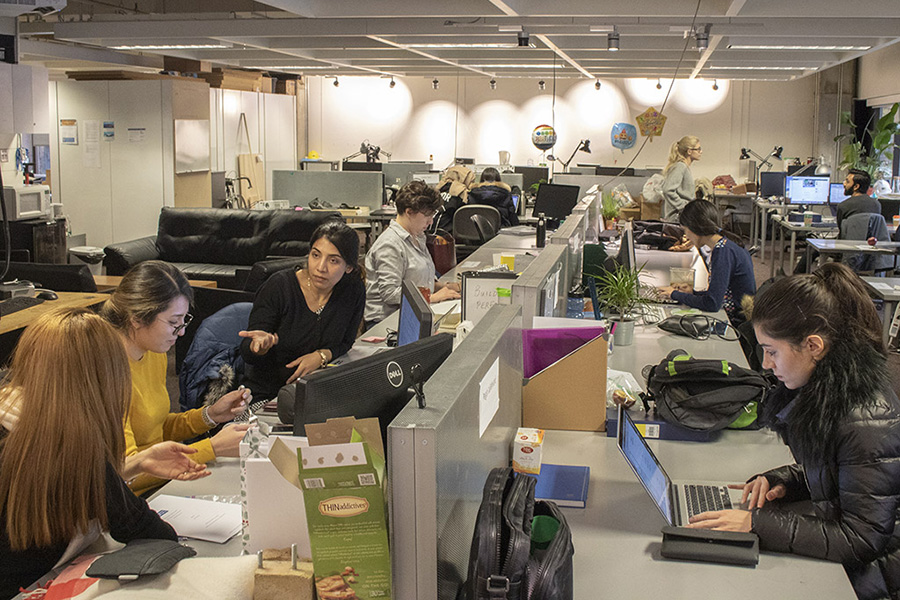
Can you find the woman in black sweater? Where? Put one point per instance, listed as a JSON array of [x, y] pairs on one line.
[[303, 319], [836, 410]]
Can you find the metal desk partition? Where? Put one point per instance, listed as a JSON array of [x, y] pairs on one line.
[[354, 188], [572, 234], [439, 461], [542, 287]]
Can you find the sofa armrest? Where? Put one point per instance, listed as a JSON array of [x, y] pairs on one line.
[[123, 255], [264, 269]]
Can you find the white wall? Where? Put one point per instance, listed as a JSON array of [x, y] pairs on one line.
[[464, 117], [879, 76]]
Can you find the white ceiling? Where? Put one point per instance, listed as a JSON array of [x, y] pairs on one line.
[[405, 38]]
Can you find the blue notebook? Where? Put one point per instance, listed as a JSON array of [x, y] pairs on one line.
[[567, 485]]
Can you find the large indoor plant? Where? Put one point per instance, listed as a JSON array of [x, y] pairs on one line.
[[609, 210], [855, 155], [618, 293]]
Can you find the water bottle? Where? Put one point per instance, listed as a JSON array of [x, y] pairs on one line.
[[541, 231]]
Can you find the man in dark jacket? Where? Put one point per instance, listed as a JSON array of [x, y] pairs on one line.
[[493, 192], [856, 185]]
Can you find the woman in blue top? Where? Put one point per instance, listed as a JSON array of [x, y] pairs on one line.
[[730, 268]]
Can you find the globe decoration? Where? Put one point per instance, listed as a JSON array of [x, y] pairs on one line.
[[543, 137], [623, 136], [651, 122]]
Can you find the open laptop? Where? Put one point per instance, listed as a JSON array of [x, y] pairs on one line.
[[676, 500]]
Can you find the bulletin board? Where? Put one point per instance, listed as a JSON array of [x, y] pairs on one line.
[[479, 292]]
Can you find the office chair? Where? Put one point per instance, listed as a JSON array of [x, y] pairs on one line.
[[470, 233], [863, 226]]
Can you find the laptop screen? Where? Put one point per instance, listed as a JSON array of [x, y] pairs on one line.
[[645, 465], [837, 195]]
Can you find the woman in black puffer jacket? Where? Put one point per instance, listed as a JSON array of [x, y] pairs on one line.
[[835, 409], [493, 192]]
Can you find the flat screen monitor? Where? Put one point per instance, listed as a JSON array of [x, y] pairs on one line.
[[431, 178], [771, 183], [837, 195], [615, 172], [532, 175], [375, 386], [556, 201], [360, 166], [807, 190], [415, 315], [626, 256]]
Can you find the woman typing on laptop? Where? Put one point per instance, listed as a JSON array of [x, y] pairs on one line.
[[838, 414]]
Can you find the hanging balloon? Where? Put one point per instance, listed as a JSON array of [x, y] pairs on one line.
[[623, 136], [543, 137], [651, 122]]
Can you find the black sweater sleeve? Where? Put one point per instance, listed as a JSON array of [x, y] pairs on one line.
[[129, 516]]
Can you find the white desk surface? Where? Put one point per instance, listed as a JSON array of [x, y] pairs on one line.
[[847, 246]]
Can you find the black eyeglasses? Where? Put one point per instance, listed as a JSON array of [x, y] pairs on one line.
[[188, 317]]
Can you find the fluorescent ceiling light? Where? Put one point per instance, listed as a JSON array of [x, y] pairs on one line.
[[518, 66], [767, 47], [173, 47], [461, 45], [602, 28], [509, 28], [286, 67], [720, 68]]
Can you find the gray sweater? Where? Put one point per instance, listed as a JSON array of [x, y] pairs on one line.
[[677, 190]]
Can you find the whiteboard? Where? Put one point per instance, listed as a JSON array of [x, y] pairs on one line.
[[479, 292], [191, 145]]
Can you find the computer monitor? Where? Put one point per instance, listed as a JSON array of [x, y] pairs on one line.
[[416, 317], [431, 178], [360, 166], [375, 386], [771, 183], [807, 191], [615, 171], [837, 194], [556, 201], [532, 175], [626, 256]]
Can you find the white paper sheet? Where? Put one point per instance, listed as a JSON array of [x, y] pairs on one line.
[[199, 519], [489, 397]]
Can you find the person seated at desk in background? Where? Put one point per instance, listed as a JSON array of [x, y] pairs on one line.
[[730, 268], [491, 191], [150, 310], [856, 185], [62, 456], [303, 319], [678, 186], [401, 253], [454, 189], [836, 410]]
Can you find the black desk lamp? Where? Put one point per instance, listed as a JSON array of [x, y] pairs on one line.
[[370, 151], [747, 153], [583, 146]]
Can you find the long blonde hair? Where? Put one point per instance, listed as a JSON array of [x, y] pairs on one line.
[[71, 376], [679, 150]]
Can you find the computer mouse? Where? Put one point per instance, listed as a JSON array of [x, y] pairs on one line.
[[47, 295]]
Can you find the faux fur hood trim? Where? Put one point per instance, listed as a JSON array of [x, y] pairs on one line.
[[499, 184]]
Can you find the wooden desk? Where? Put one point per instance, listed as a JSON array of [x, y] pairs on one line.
[[107, 283]]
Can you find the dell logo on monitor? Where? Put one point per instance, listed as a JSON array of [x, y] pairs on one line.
[[394, 374]]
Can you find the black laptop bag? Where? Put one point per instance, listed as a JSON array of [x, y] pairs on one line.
[[504, 562]]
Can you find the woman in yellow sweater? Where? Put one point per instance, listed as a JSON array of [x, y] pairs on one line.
[[150, 310]]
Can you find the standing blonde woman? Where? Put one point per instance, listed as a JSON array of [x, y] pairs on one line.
[[678, 187], [62, 448]]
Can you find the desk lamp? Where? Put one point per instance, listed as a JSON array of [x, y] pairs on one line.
[[747, 153], [370, 151], [583, 146]]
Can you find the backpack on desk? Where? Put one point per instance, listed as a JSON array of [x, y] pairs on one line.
[[706, 394], [511, 561]]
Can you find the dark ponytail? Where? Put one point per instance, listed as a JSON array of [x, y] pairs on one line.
[[702, 217]]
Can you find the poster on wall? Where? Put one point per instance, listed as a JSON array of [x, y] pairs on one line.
[[90, 157], [136, 134], [68, 132], [109, 131]]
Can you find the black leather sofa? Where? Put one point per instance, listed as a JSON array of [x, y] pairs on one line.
[[220, 244]]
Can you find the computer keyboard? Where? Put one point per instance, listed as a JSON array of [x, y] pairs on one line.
[[653, 313], [703, 498], [7, 307]]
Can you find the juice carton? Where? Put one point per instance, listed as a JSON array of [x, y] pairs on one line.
[[527, 450]]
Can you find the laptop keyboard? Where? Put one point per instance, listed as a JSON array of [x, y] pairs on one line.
[[703, 498]]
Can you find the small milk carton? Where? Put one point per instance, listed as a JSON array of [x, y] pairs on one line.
[[345, 512], [527, 450]]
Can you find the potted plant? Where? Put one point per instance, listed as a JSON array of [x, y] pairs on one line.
[[618, 293], [609, 210], [856, 156]]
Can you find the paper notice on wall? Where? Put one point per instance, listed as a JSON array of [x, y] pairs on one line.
[[136, 134], [68, 132], [91, 155], [489, 397], [109, 131]]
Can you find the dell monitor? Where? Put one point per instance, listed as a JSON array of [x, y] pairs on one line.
[[807, 190], [556, 201], [415, 315], [771, 183], [375, 386]]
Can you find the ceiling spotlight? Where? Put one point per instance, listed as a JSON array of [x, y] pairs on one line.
[[597, 85], [435, 83], [523, 39], [541, 85], [493, 84], [702, 37], [392, 83], [659, 84], [612, 41], [715, 85], [336, 82]]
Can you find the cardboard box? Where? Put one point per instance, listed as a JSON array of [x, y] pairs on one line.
[[630, 214], [570, 394], [526, 456], [744, 188], [650, 211]]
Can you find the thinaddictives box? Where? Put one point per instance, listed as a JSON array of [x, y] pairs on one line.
[[346, 517]]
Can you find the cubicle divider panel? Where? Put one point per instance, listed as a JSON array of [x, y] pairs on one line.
[[542, 287], [634, 184], [572, 234], [354, 188], [439, 457], [399, 173]]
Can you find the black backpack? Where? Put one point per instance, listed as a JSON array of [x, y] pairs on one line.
[[706, 394], [510, 559]]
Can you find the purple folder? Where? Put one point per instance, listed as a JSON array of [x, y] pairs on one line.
[[543, 347]]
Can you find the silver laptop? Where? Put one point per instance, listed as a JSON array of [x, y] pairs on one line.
[[676, 500]]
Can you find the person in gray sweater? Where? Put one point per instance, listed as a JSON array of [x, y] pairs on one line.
[[678, 187]]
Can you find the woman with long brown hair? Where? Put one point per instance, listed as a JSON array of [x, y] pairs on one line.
[[62, 456]]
